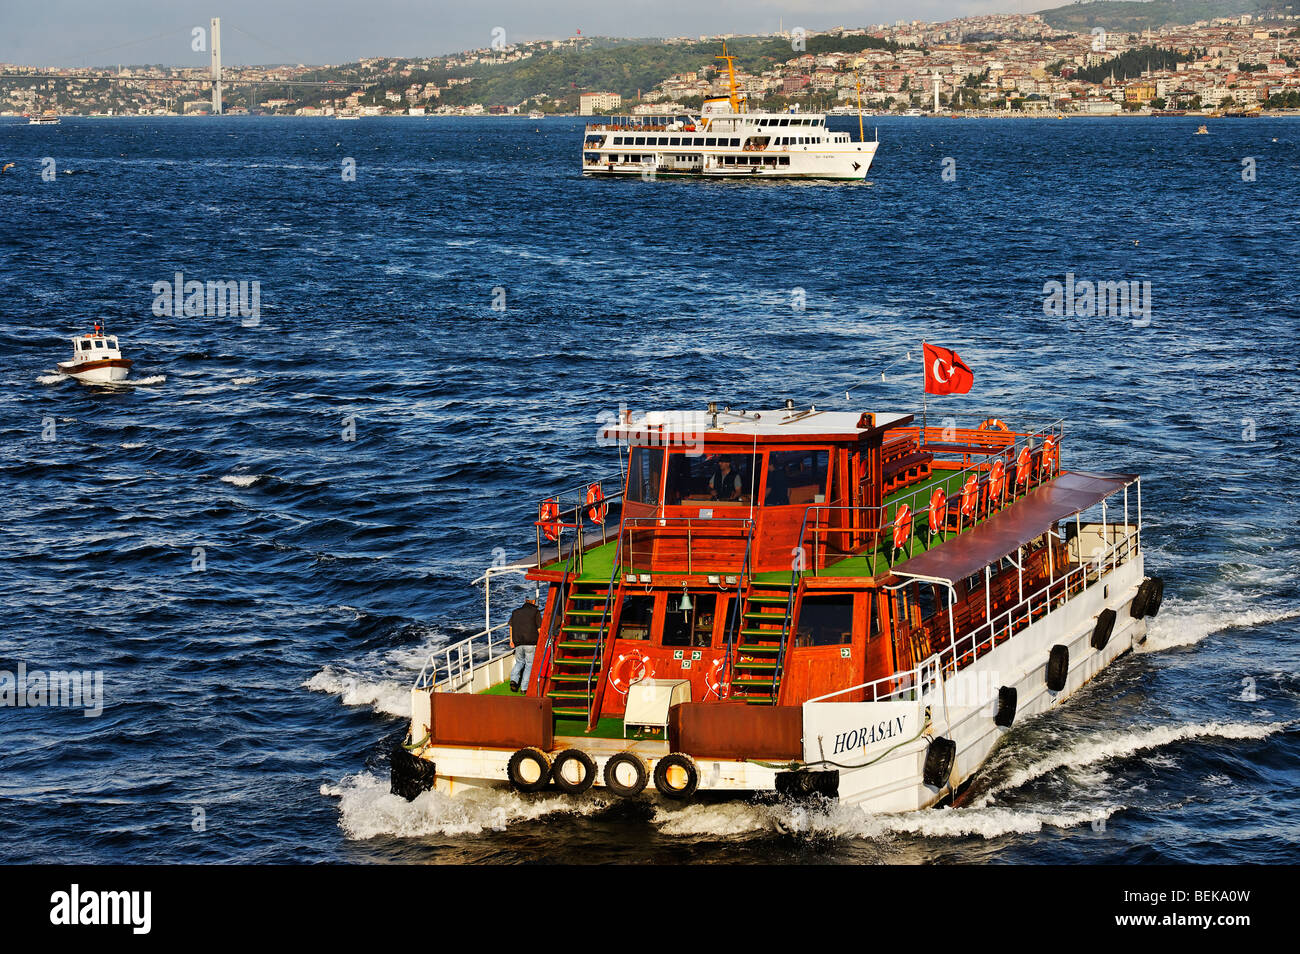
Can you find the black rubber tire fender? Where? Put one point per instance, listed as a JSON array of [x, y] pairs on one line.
[[1157, 595], [939, 760], [1101, 632], [1006, 714], [613, 768], [1141, 600], [676, 776], [529, 770], [564, 763], [1058, 667]]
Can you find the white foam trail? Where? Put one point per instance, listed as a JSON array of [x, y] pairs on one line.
[[155, 379], [51, 378], [132, 445], [241, 480], [367, 808], [834, 820], [243, 380], [1182, 624], [387, 696], [1096, 748]]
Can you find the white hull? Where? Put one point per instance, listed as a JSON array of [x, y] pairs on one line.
[[102, 375], [796, 162]]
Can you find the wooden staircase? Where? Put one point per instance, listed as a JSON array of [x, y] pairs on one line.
[[762, 625], [573, 681]]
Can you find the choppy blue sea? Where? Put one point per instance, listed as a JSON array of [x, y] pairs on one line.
[[257, 592]]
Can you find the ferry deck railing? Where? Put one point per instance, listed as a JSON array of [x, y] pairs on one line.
[[451, 668], [646, 538], [873, 524], [575, 520], [964, 651]]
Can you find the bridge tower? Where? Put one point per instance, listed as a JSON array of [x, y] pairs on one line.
[[214, 35]]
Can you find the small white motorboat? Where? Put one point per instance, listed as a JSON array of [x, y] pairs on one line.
[[96, 358]]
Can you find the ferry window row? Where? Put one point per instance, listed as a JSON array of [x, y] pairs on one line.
[[675, 141], [797, 140], [755, 160], [792, 121]]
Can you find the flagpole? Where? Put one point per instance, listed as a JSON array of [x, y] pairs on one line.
[[924, 394]]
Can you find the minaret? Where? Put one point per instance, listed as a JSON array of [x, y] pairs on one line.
[[215, 38], [936, 92]]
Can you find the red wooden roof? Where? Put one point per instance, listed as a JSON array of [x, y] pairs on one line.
[[1002, 533]]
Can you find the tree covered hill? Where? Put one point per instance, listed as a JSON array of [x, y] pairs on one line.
[[1124, 15]]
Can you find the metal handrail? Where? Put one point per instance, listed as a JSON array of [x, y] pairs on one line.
[[652, 524], [577, 512], [593, 673], [459, 659], [736, 608], [1112, 557]]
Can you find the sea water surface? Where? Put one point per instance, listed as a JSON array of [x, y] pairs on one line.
[[258, 590]]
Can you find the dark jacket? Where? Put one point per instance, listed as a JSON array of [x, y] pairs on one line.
[[525, 623]]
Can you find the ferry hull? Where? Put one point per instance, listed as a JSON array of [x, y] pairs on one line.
[[821, 165], [887, 774]]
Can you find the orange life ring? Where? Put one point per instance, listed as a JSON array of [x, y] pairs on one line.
[[713, 679], [992, 424], [970, 496], [629, 668], [548, 518], [902, 526], [1023, 466], [596, 506], [938, 509], [1049, 460], [997, 480]]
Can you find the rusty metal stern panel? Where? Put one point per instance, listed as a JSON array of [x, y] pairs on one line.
[[505, 722], [728, 730]]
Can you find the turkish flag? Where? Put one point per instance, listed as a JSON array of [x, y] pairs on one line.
[[945, 372]]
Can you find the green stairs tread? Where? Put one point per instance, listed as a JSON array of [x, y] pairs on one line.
[[754, 648], [764, 633], [568, 711], [573, 676], [565, 694], [759, 683], [761, 701], [771, 600], [579, 644], [765, 666], [587, 596], [577, 612], [767, 617]]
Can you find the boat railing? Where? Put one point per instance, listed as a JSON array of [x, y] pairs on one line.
[[965, 650], [908, 515], [705, 545], [451, 668], [590, 522]]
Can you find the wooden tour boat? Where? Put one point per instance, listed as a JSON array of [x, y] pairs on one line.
[[96, 359], [798, 601]]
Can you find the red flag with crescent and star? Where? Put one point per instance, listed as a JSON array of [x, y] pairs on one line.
[[946, 372]]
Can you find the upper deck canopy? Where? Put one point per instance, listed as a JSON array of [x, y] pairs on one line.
[[1009, 529], [690, 427]]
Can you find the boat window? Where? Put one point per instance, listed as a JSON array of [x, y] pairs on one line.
[[796, 477], [711, 141], [112, 342], [926, 600], [635, 616], [692, 627], [86, 345], [99, 342], [735, 142], [674, 140], [640, 141], [715, 478], [644, 468], [825, 621], [785, 122]]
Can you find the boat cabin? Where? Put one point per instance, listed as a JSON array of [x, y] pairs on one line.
[[771, 557]]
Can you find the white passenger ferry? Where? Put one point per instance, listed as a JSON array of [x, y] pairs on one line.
[[725, 140]]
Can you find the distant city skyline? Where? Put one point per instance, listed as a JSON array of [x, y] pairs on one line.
[[82, 33]]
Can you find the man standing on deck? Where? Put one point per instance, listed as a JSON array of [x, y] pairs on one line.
[[525, 623]]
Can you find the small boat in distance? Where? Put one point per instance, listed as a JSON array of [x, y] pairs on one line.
[[1202, 130], [96, 359], [44, 119], [536, 114]]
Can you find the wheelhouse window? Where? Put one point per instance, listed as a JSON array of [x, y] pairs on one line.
[[645, 466], [99, 342], [796, 477], [635, 616], [716, 478], [692, 627], [86, 345], [825, 621]]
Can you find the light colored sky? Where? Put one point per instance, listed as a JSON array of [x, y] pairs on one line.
[[106, 32]]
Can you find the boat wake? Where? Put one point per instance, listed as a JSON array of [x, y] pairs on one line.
[[1185, 623], [1095, 748], [386, 696], [832, 820], [368, 809], [242, 480], [51, 378]]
